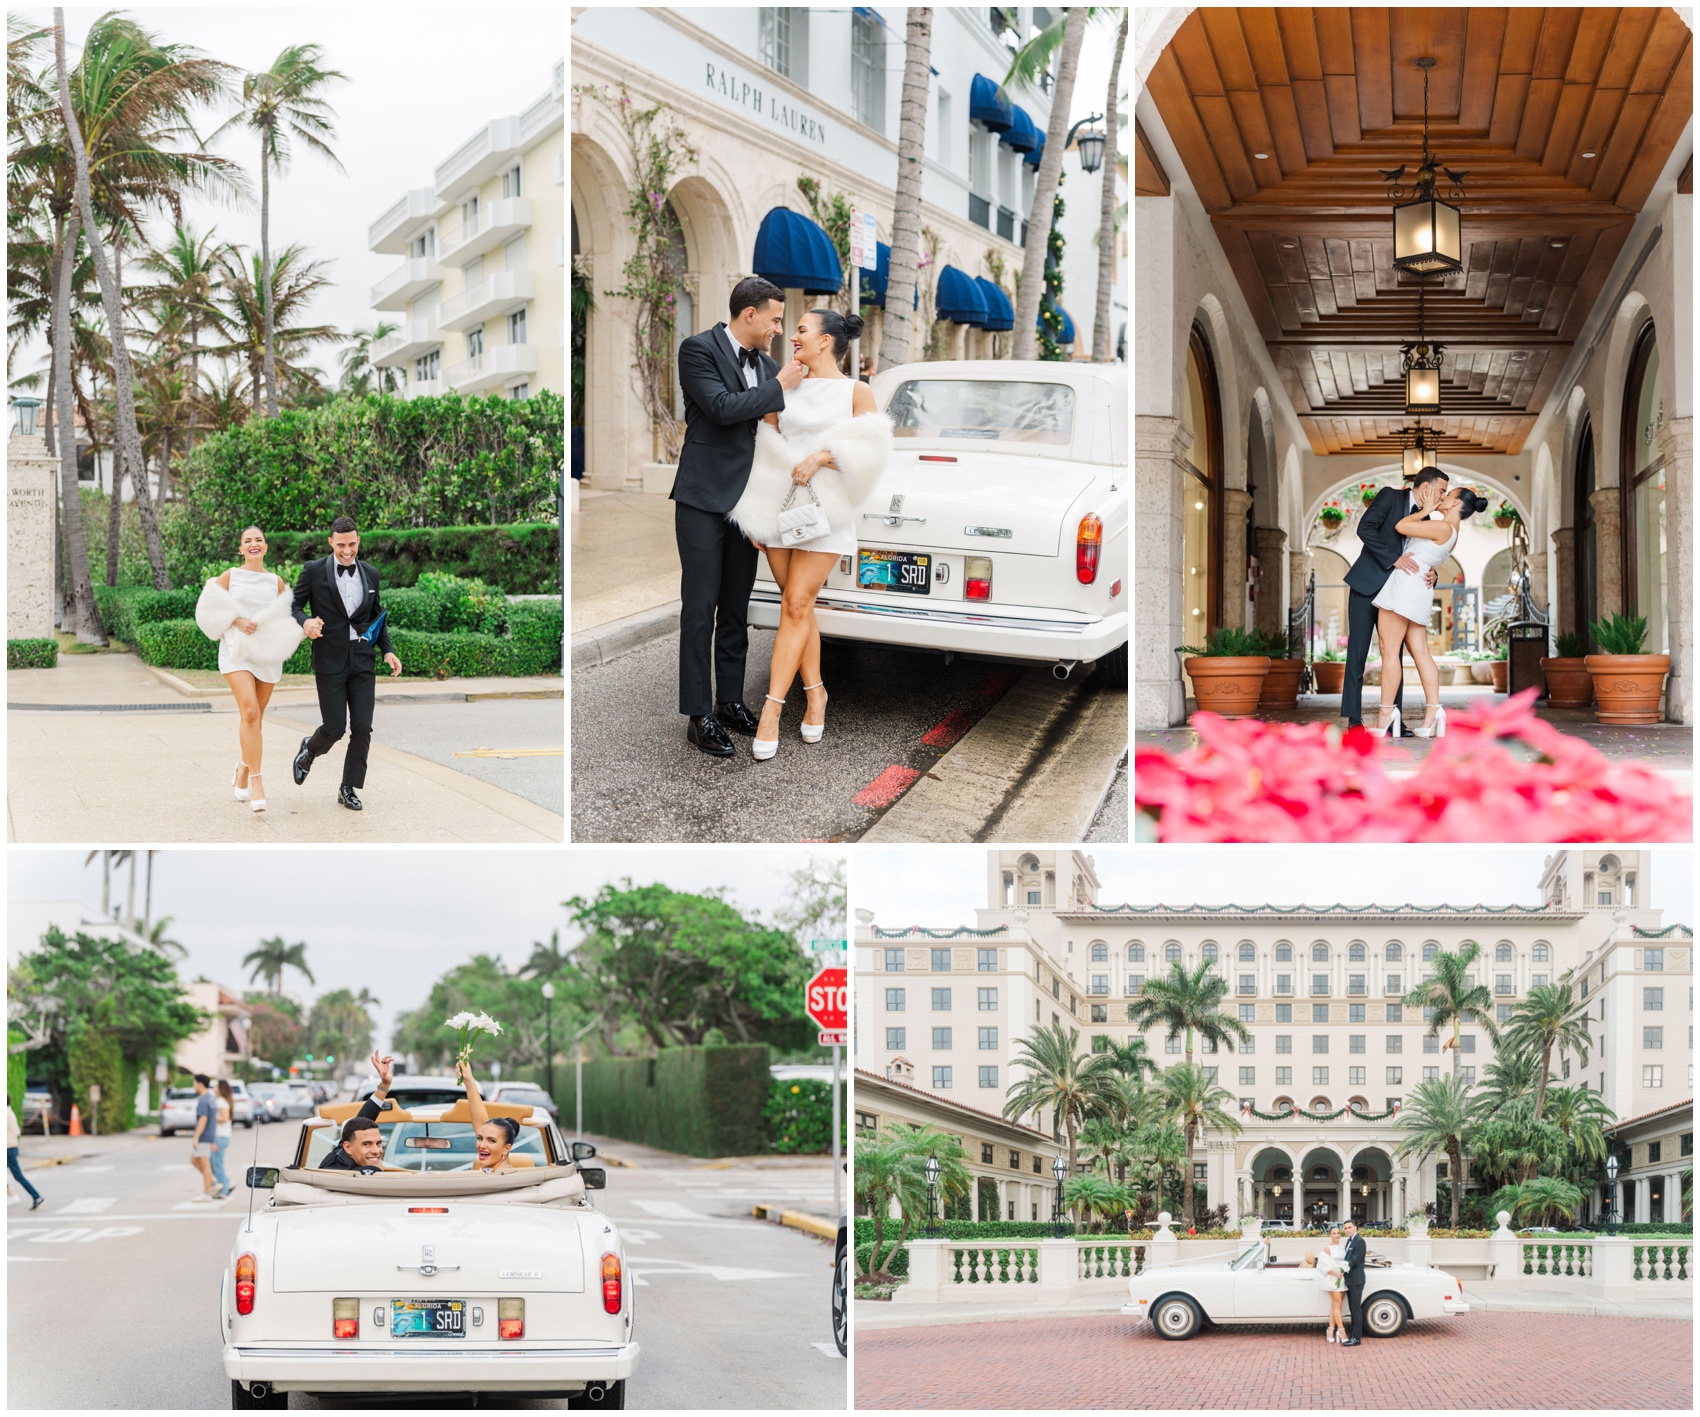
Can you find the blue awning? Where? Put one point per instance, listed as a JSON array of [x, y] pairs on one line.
[[875, 281], [1033, 158], [1024, 135], [959, 298], [795, 254], [989, 106], [1067, 335], [1000, 313]]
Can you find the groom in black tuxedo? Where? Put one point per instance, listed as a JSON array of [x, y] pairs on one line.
[[1383, 553], [1355, 1252], [729, 385], [343, 593]]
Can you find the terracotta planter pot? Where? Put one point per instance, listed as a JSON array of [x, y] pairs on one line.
[[1281, 684], [1481, 671], [1227, 684], [1569, 684], [1330, 675], [1501, 671], [1503, 522], [1627, 686]]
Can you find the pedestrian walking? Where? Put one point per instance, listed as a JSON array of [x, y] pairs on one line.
[[221, 1137], [206, 1134], [13, 1132]]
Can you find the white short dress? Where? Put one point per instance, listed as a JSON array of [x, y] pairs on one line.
[[1331, 1268], [811, 408], [1405, 593], [252, 591]]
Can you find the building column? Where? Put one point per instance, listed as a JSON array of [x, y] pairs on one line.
[[1270, 544], [1344, 1214], [1236, 502], [1159, 448], [1538, 578], [1676, 446], [958, 341], [1564, 577], [1608, 546]]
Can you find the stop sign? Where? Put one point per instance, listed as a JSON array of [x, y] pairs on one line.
[[827, 999]]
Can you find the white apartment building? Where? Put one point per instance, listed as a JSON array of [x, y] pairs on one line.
[[1317, 986], [478, 300]]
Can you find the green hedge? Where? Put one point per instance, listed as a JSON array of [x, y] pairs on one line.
[[17, 1070], [695, 1101], [32, 654], [94, 1057], [799, 1116], [123, 609], [525, 557], [892, 1262], [967, 1230]]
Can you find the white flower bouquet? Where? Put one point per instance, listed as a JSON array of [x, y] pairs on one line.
[[469, 1025]]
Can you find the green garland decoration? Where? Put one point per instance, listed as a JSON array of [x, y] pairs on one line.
[[1354, 1113], [957, 933], [1642, 933], [1050, 310]]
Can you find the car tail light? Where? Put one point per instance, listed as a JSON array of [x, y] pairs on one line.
[[345, 1318], [245, 1271], [977, 577], [936, 457], [427, 1210], [1086, 547], [510, 1318], [610, 1284]]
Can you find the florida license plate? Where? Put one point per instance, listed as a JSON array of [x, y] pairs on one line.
[[908, 571], [428, 1318]]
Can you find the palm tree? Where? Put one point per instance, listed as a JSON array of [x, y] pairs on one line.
[[358, 371], [911, 161], [1454, 1000], [1510, 1076], [1190, 1002], [890, 1169], [1059, 1076], [159, 941], [1032, 283], [1191, 1097], [1103, 337], [1549, 1017], [1440, 1117], [187, 267], [295, 280], [1095, 1195], [1156, 1151], [272, 958], [1131, 1059], [280, 103], [1582, 1115], [1514, 1144], [1538, 1200]]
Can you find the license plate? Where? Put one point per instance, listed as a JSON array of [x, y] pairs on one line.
[[428, 1318], [907, 571]]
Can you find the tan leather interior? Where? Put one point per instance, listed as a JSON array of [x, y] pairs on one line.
[[462, 1111]]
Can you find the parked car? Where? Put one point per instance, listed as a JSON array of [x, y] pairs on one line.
[[177, 1111], [1255, 1288], [522, 1094], [999, 529], [841, 1286], [283, 1102], [409, 1091], [38, 1102], [436, 1281], [242, 1113]]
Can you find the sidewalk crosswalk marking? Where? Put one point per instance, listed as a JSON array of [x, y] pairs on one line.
[[88, 1205], [669, 1210]]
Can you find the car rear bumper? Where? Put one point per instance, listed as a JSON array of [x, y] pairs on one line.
[[955, 627], [400, 1369], [1454, 1306]]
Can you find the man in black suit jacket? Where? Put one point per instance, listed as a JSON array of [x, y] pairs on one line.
[[343, 593], [729, 385], [1356, 1249], [362, 1142], [1383, 551]]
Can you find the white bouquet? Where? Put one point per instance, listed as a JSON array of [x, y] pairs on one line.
[[467, 1024]]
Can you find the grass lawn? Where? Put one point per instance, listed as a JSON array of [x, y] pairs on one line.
[[212, 679]]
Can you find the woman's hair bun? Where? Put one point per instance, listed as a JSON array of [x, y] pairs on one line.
[[853, 326], [1470, 502]]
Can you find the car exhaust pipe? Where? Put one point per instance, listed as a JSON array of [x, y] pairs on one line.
[[258, 1391], [595, 1392], [1064, 667]]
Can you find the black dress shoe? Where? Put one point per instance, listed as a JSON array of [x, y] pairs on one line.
[[345, 795], [1354, 723], [1405, 730], [303, 763], [736, 716], [1350, 1342], [707, 733]]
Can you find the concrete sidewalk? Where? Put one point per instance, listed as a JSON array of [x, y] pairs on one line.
[[37, 1152], [625, 561]]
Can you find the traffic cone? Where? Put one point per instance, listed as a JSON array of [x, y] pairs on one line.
[[76, 1122]]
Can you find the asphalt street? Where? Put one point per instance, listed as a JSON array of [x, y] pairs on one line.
[[891, 714], [113, 1284]]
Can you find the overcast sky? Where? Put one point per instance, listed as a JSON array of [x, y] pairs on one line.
[[392, 920], [422, 78], [944, 885]]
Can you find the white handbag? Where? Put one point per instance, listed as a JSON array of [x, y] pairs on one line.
[[805, 523]]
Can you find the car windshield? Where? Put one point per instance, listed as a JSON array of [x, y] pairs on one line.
[[179, 1094], [1248, 1258], [983, 410], [524, 1094], [429, 1146], [423, 1094]]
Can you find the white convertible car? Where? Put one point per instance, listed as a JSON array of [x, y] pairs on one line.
[[428, 1277], [1255, 1288], [999, 529]]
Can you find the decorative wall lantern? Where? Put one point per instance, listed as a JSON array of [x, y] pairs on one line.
[[1428, 233]]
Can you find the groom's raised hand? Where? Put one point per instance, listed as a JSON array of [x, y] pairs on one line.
[[791, 373]]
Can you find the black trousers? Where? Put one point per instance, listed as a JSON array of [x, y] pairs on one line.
[[1361, 616], [346, 699], [1355, 1303], [717, 569]]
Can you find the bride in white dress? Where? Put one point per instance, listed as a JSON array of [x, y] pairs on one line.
[[1430, 533]]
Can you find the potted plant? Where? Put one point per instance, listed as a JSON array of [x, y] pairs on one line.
[[1569, 684], [1368, 491], [1504, 515], [1332, 516], [1500, 667], [1330, 668], [1627, 682], [1286, 668], [1481, 666], [1227, 671]]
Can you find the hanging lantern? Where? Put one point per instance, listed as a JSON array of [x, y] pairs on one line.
[[1428, 233], [1419, 455], [1421, 363]]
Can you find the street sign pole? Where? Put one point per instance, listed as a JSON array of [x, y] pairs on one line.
[[837, 1156]]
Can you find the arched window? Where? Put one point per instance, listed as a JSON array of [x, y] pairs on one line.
[[1429, 951], [1319, 953], [1502, 953], [1359, 1104], [1209, 954], [1201, 511], [1321, 1104], [1355, 954], [1136, 954], [1641, 479], [1395, 953], [1172, 952], [1283, 954], [1100, 954], [1540, 954], [1587, 538], [1248, 953], [1282, 1104]]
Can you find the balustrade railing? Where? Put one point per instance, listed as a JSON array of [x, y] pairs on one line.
[[1574, 1260], [1110, 1261], [1661, 1262], [994, 1264]]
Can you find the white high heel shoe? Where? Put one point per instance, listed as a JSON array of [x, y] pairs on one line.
[[241, 792], [762, 749], [1437, 729], [1394, 726], [812, 731], [257, 803]]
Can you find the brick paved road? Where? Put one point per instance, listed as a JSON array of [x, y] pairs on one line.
[[1481, 1360]]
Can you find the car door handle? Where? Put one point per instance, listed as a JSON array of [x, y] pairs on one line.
[[890, 520], [428, 1269]]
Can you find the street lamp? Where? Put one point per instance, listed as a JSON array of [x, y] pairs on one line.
[[932, 1170], [26, 407], [1059, 1169], [1611, 1195], [1091, 146], [549, 1034]]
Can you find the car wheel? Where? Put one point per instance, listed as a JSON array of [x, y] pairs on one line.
[[1384, 1316], [1176, 1317], [1112, 669], [840, 1300], [613, 1395], [261, 1395], [168, 1131]]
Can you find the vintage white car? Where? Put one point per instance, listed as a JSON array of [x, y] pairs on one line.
[[1255, 1288], [429, 1277], [999, 529]]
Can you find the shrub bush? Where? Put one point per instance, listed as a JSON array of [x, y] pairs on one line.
[[525, 557], [32, 654], [125, 608], [175, 644], [896, 1264], [799, 1116], [698, 1101], [464, 604], [94, 1057]]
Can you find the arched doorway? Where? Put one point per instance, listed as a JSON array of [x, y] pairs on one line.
[[1272, 1183], [1641, 478], [1321, 1187], [1587, 540], [1372, 1199], [1202, 505]]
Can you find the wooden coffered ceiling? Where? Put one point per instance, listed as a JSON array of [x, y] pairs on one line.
[[1282, 118]]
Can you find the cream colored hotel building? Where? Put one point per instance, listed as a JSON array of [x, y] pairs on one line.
[[478, 294], [939, 1013]]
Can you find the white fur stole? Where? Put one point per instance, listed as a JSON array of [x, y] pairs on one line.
[[860, 446], [216, 613]]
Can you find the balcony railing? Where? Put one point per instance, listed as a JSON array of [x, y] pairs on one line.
[[411, 339], [492, 368], [496, 294], [492, 226], [391, 232], [406, 283]]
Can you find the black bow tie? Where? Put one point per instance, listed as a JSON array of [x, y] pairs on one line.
[[748, 357], [342, 570]]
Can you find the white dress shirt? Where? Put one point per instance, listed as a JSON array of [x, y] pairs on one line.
[[751, 372], [352, 589]]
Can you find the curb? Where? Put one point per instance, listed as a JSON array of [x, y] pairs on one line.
[[401, 696], [605, 642], [796, 1220]]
